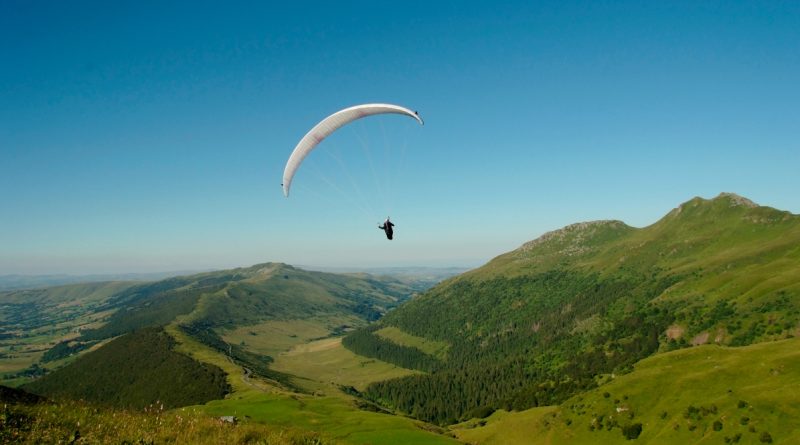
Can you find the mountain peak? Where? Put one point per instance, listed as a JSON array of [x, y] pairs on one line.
[[722, 201], [735, 200]]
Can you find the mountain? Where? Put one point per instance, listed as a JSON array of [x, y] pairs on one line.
[[537, 325], [20, 281], [208, 305], [418, 278], [135, 371]]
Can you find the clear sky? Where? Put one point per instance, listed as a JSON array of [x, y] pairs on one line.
[[147, 136]]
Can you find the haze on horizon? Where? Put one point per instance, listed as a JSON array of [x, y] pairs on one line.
[[145, 138]]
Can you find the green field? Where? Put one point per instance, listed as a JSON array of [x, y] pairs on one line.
[[677, 397], [335, 415], [78, 422], [273, 337], [323, 363]]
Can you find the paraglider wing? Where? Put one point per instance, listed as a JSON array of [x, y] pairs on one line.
[[331, 124]]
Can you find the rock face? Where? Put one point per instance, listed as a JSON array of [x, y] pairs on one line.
[[737, 200]]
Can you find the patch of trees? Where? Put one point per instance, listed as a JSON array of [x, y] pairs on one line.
[[16, 395], [367, 311], [698, 413], [134, 371], [64, 349], [632, 431], [452, 395], [364, 342]]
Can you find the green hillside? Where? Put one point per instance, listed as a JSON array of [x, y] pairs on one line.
[[135, 370], [536, 325], [707, 394], [26, 420]]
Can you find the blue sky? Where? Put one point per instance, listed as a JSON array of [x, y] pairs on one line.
[[149, 136]]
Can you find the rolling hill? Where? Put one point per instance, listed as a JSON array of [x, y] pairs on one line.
[[689, 396], [134, 371], [535, 326]]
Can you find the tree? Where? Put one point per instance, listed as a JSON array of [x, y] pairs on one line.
[[632, 431]]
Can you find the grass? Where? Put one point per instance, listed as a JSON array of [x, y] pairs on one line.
[[334, 415], [76, 422], [324, 362], [435, 348], [760, 382], [275, 336], [505, 427]]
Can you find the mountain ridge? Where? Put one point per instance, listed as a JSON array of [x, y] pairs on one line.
[[596, 297]]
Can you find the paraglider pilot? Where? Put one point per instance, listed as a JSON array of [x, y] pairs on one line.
[[387, 227]]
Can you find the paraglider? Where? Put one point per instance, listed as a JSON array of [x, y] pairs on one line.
[[387, 227], [330, 124]]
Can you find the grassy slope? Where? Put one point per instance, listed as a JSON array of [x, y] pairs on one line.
[[275, 336], [331, 412], [320, 365], [723, 249], [76, 422], [334, 415], [323, 363], [765, 376]]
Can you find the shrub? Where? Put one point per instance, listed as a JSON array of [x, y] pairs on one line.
[[765, 437], [632, 431], [717, 425]]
